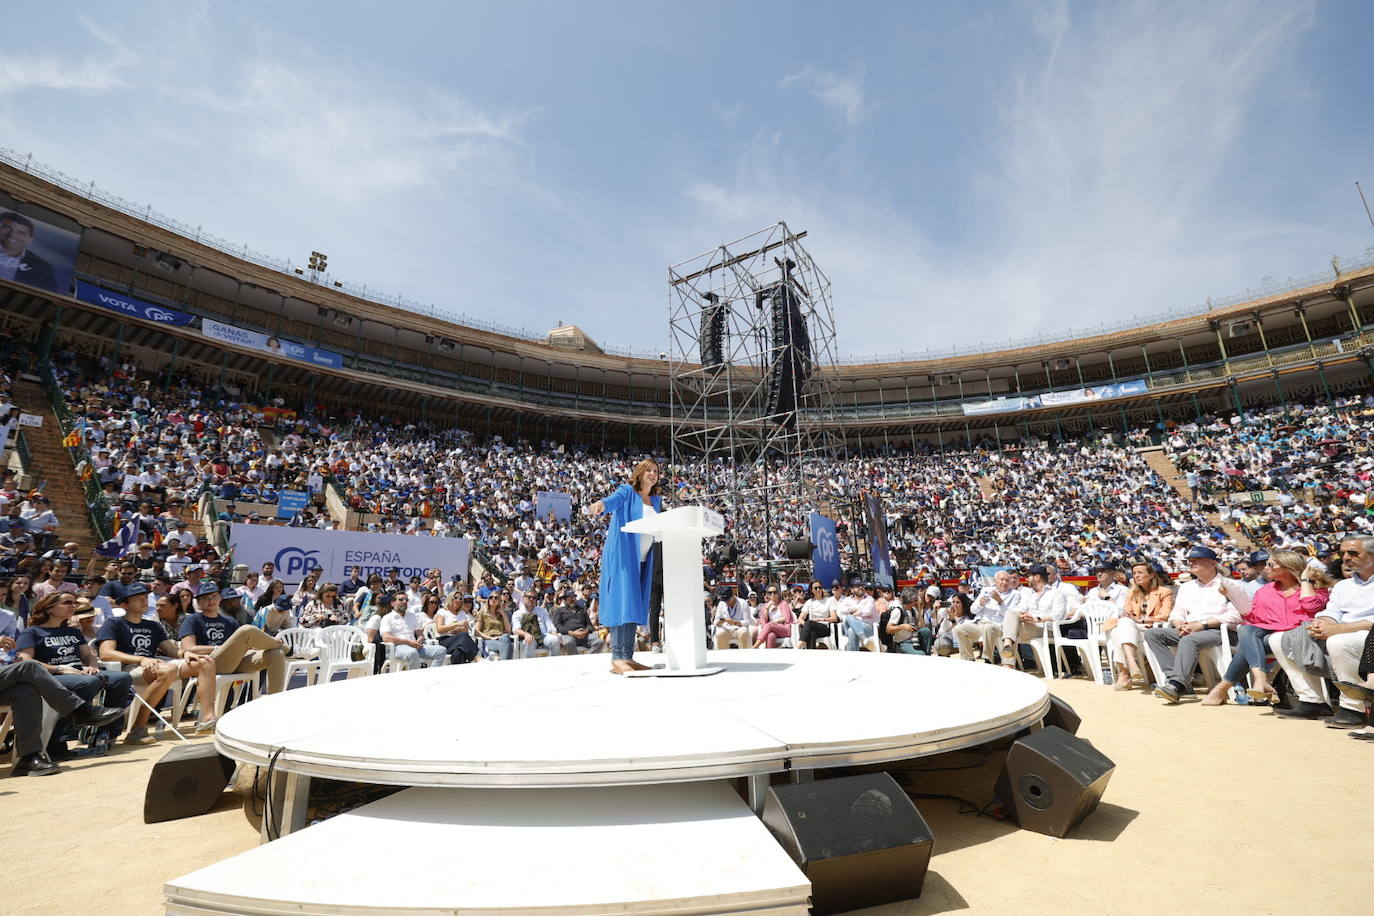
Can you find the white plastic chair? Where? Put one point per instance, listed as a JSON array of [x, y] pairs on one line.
[[243, 687], [1087, 646], [336, 652], [1214, 661], [431, 638], [302, 653]]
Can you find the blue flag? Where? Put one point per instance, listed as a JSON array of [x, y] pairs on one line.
[[118, 545]]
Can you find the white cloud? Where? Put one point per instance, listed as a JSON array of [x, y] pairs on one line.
[[1108, 193], [842, 92], [105, 69]]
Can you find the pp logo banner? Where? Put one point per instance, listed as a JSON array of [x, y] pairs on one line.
[[296, 563], [825, 561]]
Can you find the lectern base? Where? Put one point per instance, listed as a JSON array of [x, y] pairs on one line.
[[664, 671]]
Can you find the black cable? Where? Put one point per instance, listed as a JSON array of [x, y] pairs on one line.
[[267, 805]]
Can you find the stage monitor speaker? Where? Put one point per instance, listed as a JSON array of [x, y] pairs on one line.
[[859, 839], [187, 781], [1052, 780], [800, 549], [1061, 714]]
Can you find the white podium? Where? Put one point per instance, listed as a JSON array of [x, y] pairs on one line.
[[684, 622]]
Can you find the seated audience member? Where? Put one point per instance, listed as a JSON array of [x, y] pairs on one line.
[[1341, 628], [1205, 608], [276, 617], [56, 581], [574, 626], [1149, 602], [948, 617], [533, 625], [401, 629], [51, 640], [235, 649], [858, 616], [818, 615], [903, 630], [991, 612], [775, 619], [730, 622], [25, 687], [325, 610], [1045, 606], [135, 643], [231, 604], [1293, 595], [494, 629], [454, 624]]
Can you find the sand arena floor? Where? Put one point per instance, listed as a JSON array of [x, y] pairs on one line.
[[1213, 810]]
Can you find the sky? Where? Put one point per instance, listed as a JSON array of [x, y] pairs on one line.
[[968, 173]]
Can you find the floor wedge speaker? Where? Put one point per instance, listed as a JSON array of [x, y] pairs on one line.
[[1062, 715], [186, 782], [1052, 780], [859, 839]]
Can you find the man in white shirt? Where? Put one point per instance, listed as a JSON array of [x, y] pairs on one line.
[[1206, 608], [532, 625], [1045, 605], [990, 609], [401, 629], [730, 623], [1344, 625]]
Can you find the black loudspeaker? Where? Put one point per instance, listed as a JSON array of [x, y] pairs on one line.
[[859, 839], [711, 333], [791, 361], [186, 782], [1052, 780], [800, 549], [1061, 714]]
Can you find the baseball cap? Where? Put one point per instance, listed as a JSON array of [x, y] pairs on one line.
[[1258, 558], [207, 589], [230, 593], [282, 603], [1201, 553], [1039, 569]]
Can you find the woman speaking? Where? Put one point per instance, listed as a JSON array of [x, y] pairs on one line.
[[627, 566]]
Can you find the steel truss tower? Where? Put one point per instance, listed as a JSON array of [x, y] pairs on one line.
[[752, 369]]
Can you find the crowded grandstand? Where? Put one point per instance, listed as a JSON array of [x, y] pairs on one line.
[[1156, 508]]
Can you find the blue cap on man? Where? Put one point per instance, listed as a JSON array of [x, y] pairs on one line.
[[1201, 553]]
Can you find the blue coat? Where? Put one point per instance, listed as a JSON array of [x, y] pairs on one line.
[[625, 583]]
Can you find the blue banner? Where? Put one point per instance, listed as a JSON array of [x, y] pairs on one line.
[[878, 550], [825, 559], [291, 502], [128, 305], [275, 345]]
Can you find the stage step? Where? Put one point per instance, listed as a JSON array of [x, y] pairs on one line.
[[687, 848]]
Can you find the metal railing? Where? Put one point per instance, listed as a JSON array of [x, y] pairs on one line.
[[197, 234], [22, 452], [101, 509]]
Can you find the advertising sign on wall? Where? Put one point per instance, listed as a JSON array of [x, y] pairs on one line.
[[35, 252], [253, 340], [295, 551], [128, 305]]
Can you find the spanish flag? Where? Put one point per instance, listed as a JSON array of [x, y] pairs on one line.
[[72, 439]]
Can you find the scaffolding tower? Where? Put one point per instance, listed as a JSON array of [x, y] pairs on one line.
[[752, 370]]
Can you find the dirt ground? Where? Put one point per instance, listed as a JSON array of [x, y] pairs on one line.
[[1214, 810]]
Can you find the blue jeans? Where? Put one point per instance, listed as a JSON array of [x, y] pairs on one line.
[[1250, 652], [501, 645], [857, 632], [907, 647], [409, 656], [623, 640], [119, 693]]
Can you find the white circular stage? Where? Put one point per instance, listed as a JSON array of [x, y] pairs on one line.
[[569, 722]]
